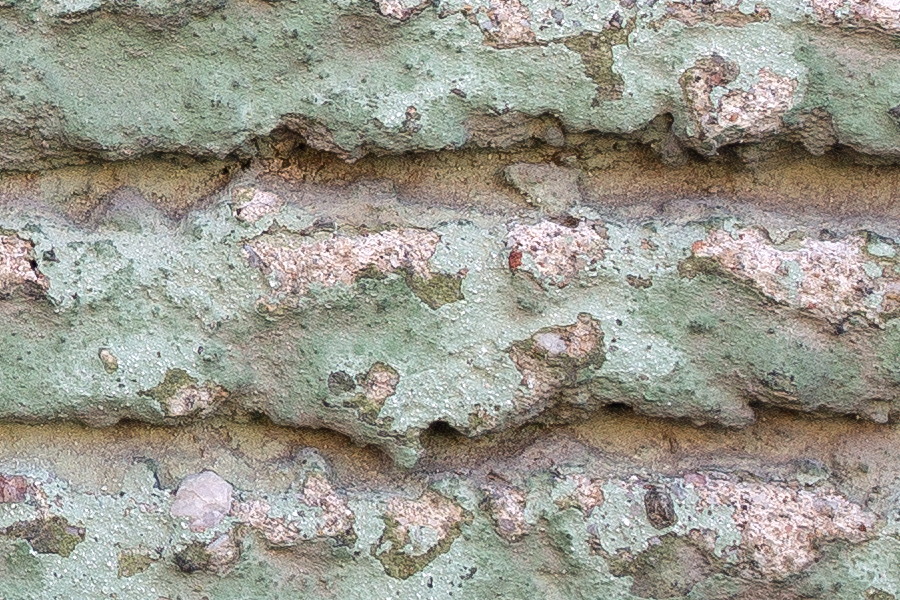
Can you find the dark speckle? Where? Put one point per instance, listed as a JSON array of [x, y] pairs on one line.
[[895, 112], [340, 381], [659, 507]]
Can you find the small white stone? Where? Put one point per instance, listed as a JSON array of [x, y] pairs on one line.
[[252, 204], [204, 498], [551, 342]]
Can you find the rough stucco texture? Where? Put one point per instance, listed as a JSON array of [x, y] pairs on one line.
[[103, 78], [483, 324], [399, 299]]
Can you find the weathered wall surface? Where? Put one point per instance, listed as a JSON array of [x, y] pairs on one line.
[[427, 300], [111, 79]]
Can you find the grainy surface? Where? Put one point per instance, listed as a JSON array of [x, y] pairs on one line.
[[497, 299]]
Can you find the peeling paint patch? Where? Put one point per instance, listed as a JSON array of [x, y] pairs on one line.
[[739, 115], [295, 263], [110, 361], [881, 14], [18, 269], [782, 527], [132, 562], [719, 13], [180, 395], [555, 253], [551, 358], [278, 531], [319, 510], [337, 518], [416, 532], [400, 10], [504, 23], [438, 289], [832, 279], [586, 495], [378, 384], [506, 505], [758, 110]]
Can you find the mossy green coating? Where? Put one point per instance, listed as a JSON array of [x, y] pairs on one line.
[[437, 290], [175, 380], [596, 50], [131, 563], [51, 535]]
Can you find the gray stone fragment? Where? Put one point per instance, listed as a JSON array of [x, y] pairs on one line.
[[551, 188]]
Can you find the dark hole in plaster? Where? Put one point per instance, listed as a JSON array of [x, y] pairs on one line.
[[444, 429]]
